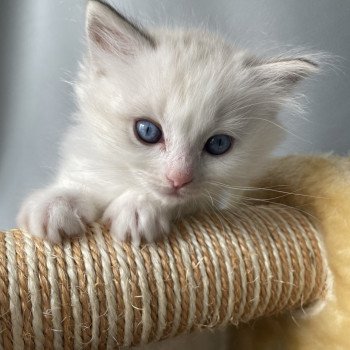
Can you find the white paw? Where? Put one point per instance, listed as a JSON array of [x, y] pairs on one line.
[[134, 216], [55, 213]]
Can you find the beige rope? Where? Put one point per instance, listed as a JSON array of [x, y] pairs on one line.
[[13, 294], [74, 294], [97, 293], [55, 299], [5, 321]]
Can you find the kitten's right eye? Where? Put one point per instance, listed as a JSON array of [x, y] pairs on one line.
[[147, 131]]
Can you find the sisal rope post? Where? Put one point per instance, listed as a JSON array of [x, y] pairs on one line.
[[213, 270]]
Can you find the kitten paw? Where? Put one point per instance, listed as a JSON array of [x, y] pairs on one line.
[[55, 214], [134, 216]]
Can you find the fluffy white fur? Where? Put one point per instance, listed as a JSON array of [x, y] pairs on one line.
[[194, 85]]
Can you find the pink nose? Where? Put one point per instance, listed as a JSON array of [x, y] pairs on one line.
[[179, 180]]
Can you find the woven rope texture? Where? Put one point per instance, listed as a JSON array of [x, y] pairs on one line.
[[100, 294]]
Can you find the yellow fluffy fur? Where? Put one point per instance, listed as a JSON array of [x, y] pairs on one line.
[[320, 186]]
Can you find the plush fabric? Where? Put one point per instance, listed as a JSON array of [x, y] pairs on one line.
[[320, 186]]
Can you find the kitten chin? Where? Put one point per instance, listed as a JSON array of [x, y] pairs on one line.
[[169, 122]]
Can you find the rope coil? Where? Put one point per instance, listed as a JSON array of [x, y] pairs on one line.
[[98, 293]]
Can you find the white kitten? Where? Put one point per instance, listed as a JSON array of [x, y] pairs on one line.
[[169, 122]]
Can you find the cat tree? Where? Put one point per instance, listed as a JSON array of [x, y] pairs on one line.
[[213, 270]]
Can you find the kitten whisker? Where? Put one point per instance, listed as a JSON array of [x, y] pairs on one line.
[[267, 189], [234, 205], [282, 128]]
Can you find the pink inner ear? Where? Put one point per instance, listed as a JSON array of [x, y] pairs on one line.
[[108, 39]]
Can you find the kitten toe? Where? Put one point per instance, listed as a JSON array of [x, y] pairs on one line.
[[119, 230], [32, 217], [134, 217], [55, 215]]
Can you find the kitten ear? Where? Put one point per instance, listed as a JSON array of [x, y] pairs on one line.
[[284, 72], [110, 32]]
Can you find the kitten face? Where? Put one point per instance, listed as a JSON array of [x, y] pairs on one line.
[[190, 84]]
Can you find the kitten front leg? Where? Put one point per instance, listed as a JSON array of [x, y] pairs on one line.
[[136, 216], [54, 213]]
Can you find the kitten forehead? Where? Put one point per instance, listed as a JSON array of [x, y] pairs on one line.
[[191, 74]]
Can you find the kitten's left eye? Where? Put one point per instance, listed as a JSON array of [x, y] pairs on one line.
[[218, 144], [148, 131]]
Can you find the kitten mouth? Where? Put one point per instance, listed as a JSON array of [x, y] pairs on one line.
[[174, 193]]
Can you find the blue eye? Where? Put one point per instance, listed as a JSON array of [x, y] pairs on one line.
[[218, 144], [147, 131]]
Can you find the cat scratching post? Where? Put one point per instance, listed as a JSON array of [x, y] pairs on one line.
[[213, 270]]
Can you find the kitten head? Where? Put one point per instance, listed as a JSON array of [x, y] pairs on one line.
[[179, 113]]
